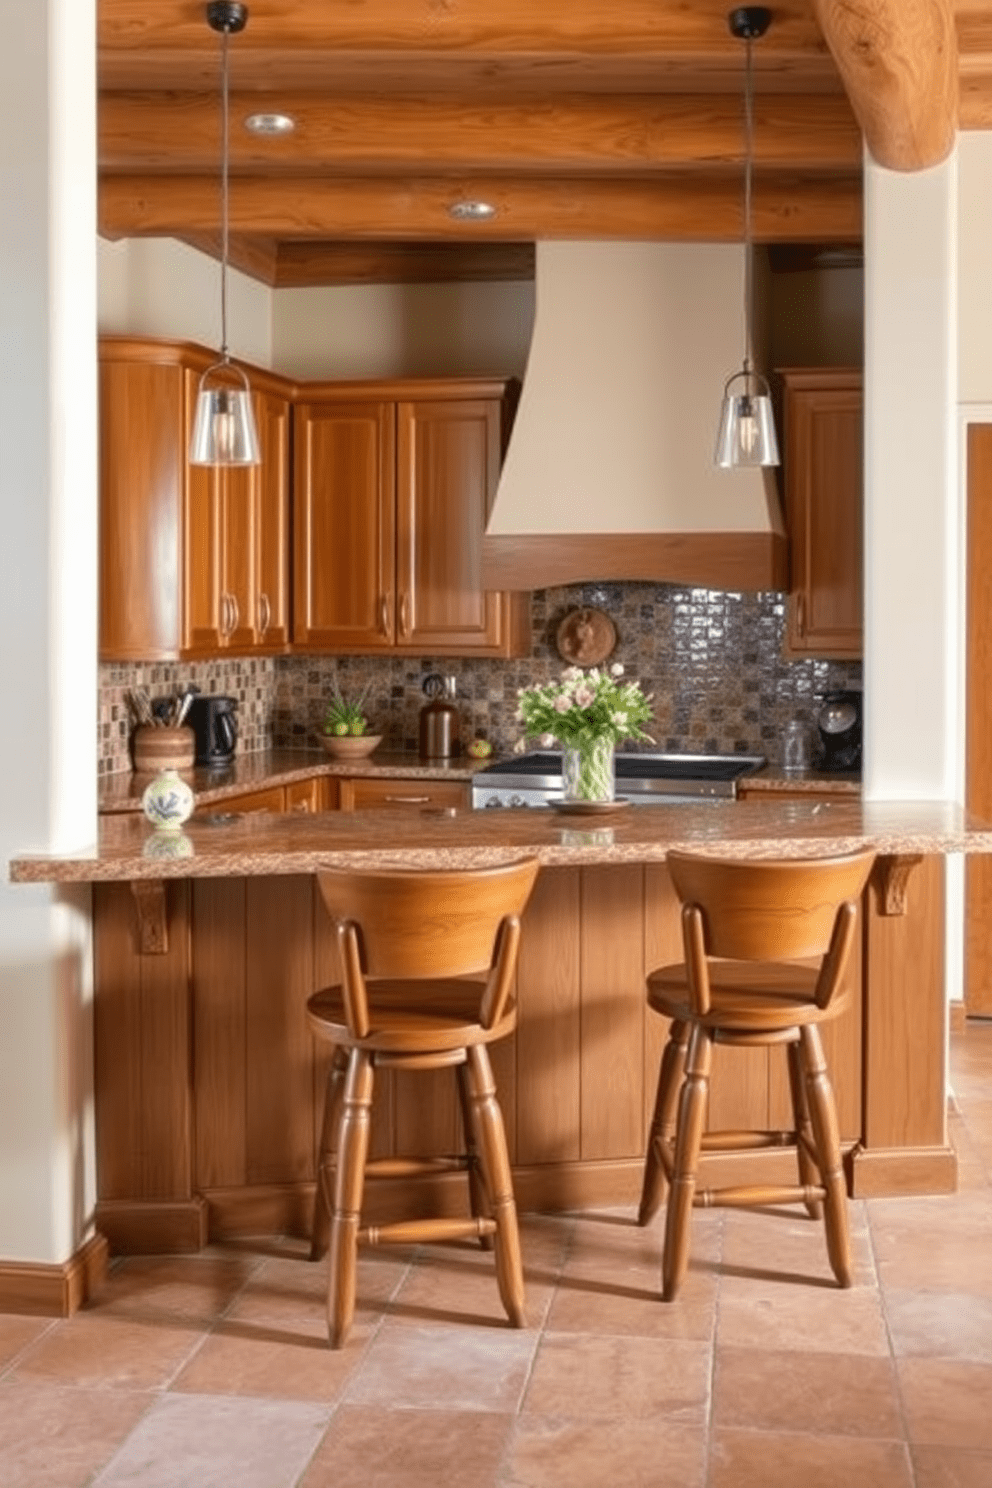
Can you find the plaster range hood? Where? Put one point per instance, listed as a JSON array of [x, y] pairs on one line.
[[609, 472]]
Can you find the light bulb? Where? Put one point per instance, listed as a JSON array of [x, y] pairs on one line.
[[747, 426]]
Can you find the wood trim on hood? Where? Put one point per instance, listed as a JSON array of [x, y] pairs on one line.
[[708, 560]]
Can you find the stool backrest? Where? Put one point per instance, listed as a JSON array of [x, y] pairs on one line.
[[789, 909], [414, 925]]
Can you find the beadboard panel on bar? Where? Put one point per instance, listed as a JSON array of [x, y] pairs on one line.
[[209, 1088]]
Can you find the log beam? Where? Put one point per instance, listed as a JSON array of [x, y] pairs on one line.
[[899, 63], [674, 208]]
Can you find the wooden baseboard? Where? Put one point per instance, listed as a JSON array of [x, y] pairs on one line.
[[54, 1290], [902, 1171], [266, 1209], [957, 1015], [150, 1227]]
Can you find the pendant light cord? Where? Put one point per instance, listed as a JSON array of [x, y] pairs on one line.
[[748, 252], [224, 190]]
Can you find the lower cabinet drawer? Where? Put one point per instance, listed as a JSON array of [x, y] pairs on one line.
[[272, 798], [363, 794]]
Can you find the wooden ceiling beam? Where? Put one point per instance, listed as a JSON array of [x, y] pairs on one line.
[[787, 208], [179, 133], [255, 256], [899, 63]]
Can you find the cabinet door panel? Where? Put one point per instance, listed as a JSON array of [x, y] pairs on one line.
[[448, 464], [239, 495], [204, 613], [344, 484], [824, 512], [271, 617]]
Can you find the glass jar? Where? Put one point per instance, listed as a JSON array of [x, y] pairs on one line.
[[797, 747], [587, 771]]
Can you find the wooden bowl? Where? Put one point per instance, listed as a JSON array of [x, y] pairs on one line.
[[350, 746]]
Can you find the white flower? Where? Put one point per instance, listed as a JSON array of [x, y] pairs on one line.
[[571, 674], [547, 741], [562, 703], [584, 696], [616, 670], [520, 746]]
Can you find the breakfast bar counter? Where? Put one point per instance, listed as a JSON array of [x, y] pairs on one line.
[[207, 944]]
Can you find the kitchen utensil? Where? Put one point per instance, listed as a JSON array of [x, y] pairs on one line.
[[156, 747], [439, 721]]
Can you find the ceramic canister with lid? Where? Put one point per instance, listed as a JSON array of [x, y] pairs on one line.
[[439, 721]]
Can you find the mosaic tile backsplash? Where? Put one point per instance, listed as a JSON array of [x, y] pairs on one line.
[[712, 660]]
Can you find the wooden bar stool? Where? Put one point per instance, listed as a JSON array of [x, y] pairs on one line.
[[747, 928], [407, 942]]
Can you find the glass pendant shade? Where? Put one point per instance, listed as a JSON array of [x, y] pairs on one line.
[[224, 430], [746, 436]]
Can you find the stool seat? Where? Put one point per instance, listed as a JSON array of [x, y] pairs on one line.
[[745, 996], [445, 1016]]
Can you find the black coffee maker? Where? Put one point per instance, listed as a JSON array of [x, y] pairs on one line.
[[839, 724], [214, 721]]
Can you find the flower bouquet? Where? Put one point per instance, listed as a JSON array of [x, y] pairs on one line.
[[589, 713]]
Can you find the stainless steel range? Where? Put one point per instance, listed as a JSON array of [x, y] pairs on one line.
[[644, 779]]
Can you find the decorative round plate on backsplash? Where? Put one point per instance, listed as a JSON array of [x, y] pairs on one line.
[[586, 637]]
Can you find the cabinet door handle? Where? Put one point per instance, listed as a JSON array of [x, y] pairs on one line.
[[384, 614], [801, 614], [404, 616], [264, 613], [235, 612], [406, 800], [225, 615], [302, 806]]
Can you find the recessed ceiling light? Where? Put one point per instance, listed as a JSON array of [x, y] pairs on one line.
[[471, 211], [270, 124]]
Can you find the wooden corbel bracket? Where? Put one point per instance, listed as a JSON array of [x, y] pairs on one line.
[[894, 870], [153, 929]]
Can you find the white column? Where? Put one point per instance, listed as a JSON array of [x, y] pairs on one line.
[[913, 521], [48, 509]]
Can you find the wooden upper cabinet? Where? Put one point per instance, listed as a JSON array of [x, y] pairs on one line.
[[392, 488], [823, 419], [193, 560]]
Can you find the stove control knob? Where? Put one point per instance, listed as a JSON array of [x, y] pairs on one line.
[[517, 801], [493, 801]]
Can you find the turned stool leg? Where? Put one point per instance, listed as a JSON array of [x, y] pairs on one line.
[[823, 1115], [663, 1121], [809, 1174], [478, 1198], [325, 1157], [488, 1122], [688, 1140], [353, 1146]]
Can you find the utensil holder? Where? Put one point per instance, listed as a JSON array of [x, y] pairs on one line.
[[154, 749]]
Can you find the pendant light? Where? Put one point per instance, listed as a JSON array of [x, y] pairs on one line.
[[224, 430], [747, 426]]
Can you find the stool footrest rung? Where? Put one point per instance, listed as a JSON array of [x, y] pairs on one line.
[[746, 1141], [411, 1167], [748, 1196], [422, 1231]]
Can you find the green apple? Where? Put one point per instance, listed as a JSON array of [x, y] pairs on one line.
[[480, 748]]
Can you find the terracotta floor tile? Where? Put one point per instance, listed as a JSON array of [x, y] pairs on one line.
[[59, 1437], [191, 1289], [945, 1467], [548, 1452], [380, 1448], [787, 1313], [205, 1442], [765, 1459], [949, 1325], [96, 1349], [467, 1368], [273, 1361], [293, 1292], [829, 1394], [16, 1333], [455, 1285], [589, 1377], [789, 1244], [629, 1302], [947, 1402]]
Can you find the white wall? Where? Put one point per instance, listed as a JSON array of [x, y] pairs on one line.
[[403, 330], [48, 499], [158, 287]]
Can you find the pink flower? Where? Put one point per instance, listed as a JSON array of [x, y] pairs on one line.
[[562, 704], [584, 696]]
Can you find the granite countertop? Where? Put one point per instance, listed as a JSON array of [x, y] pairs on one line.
[[269, 844], [270, 767], [774, 778]]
